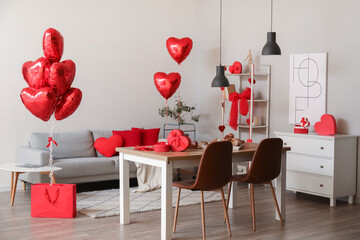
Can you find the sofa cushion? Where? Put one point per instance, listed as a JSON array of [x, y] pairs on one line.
[[131, 137], [107, 146], [79, 167], [101, 133], [148, 136], [70, 144]]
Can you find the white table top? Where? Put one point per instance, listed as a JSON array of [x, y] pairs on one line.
[[26, 168]]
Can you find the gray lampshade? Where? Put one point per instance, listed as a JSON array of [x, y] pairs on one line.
[[220, 80], [271, 47]]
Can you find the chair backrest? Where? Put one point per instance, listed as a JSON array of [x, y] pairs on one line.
[[266, 163], [215, 169]]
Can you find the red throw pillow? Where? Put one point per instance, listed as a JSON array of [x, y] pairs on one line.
[[148, 136], [106, 146], [131, 137]]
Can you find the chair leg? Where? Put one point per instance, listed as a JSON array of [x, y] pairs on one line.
[[276, 203], [203, 214], [177, 209], [228, 199], [225, 211], [252, 205]]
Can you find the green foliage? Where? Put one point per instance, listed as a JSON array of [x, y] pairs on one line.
[[179, 112]]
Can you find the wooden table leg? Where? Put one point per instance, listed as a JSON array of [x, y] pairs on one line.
[[53, 178], [12, 184], [14, 188], [24, 185]]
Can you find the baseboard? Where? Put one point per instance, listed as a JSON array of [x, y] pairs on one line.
[[5, 188]]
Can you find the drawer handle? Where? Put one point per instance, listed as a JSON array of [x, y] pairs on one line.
[[285, 144], [322, 148], [321, 166], [321, 185]]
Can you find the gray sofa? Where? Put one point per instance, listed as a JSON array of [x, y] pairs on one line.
[[75, 154]]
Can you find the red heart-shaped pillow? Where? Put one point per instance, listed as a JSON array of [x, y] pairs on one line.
[[167, 84], [40, 102], [235, 68], [179, 49], [107, 146], [68, 103], [36, 74], [326, 126], [61, 76], [178, 141]]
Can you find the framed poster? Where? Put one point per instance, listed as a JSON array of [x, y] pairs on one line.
[[308, 80]]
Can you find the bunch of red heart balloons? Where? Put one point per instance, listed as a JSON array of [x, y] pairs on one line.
[[50, 81], [179, 49]]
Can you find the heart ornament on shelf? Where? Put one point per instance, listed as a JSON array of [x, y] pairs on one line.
[[326, 126], [221, 128], [167, 84], [236, 68], [178, 141]]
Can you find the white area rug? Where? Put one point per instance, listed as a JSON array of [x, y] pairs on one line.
[[105, 203]]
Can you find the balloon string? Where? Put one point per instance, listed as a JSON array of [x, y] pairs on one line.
[[167, 110], [178, 103], [51, 161]]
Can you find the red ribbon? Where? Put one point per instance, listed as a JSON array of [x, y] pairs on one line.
[[51, 140], [244, 106], [143, 148]]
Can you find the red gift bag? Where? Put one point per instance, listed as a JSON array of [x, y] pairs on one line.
[[56, 201]]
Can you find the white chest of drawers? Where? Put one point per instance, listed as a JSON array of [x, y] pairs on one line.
[[321, 165]]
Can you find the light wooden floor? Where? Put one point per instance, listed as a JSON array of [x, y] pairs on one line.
[[308, 217]]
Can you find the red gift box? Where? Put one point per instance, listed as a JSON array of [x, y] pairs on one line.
[[161, 147], [301, 129], [53, 201]]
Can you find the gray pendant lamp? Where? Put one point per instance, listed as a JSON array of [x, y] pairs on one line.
[[220, 80], [271, 47]]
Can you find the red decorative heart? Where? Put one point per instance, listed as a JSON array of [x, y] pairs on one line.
[[36, 74], [236, 68], [179, 49], [61, 76], [68, 103], [249, 80], [53, 45], [221, 128], [40, 102], [107, 146], [178, 141], [326, 126], [167, 84]]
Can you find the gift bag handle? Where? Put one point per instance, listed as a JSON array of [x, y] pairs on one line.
[[48, 196]]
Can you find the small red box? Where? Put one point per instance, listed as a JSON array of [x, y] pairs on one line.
[[53, 201], [301, 129], [161, 147]]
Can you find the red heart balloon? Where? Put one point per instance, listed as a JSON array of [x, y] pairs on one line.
[[326, 126], [53, 45], [61, 76], [167, 84], [107, 146], [179, 49], [178, 141], [236, 68], [40, 102], [36, 74], [68, 103]]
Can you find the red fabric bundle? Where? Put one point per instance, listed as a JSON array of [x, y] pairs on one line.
[[244, 106], [178, 141], [56, 201]]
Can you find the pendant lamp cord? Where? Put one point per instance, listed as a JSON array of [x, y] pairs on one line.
[[271, 13], [220, 27]]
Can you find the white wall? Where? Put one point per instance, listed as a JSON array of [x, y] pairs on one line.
[[117, 47], [302, 27]]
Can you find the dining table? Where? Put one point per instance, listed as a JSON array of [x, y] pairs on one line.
[[168, 161]]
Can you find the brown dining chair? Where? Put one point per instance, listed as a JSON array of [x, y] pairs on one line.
[[265, 167], [215, 171]]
